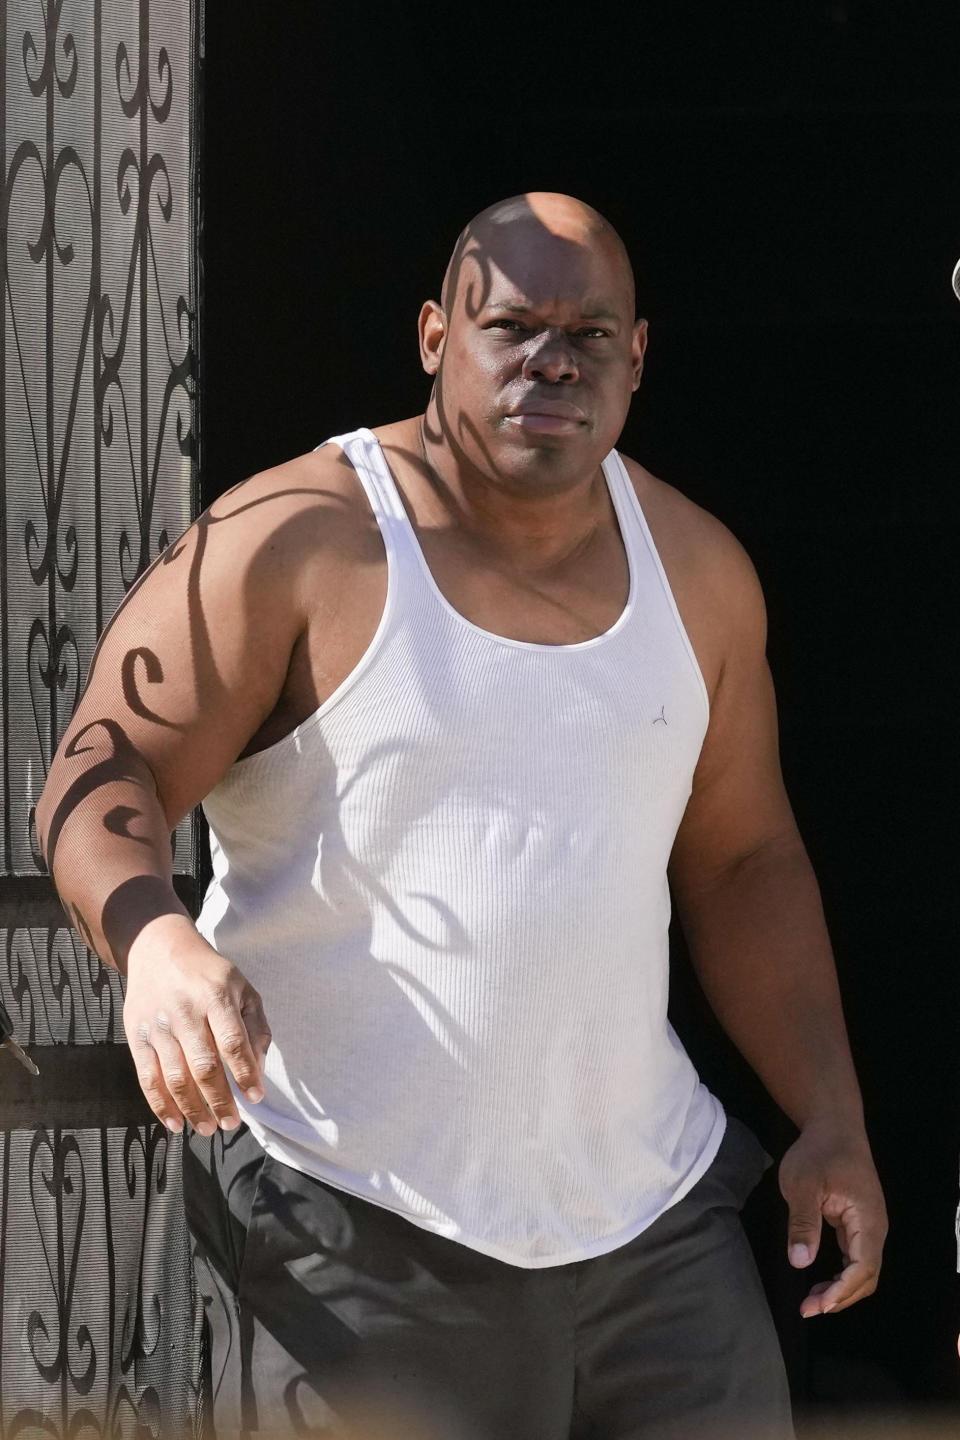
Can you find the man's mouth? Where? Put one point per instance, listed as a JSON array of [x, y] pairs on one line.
[[548, 417], [545, 424]]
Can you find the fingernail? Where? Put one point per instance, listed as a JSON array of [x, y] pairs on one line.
[[206, 1127], [828, 1308], [254, 1094], [229, 1122], [799, 1255], [175, 1126]]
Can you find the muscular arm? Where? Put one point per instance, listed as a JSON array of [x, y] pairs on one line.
[[750, 909], [186, 672]]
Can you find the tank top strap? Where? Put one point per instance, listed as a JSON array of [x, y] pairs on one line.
[[646, 567], [633, 527], [362, 449]]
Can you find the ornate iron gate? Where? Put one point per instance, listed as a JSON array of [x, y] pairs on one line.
[[98, 349]]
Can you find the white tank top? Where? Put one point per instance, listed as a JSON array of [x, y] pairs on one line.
[[449, 886]]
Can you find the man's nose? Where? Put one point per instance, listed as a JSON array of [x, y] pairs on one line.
[[551, 358]]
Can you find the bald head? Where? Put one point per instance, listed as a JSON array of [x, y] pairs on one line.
[[538, 312], [534, 220]]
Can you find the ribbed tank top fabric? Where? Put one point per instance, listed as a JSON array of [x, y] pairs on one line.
[[449, 886]]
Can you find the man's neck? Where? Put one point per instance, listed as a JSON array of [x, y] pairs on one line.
[[536, 526]]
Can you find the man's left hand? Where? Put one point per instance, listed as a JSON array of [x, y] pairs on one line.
[[828, 1174]]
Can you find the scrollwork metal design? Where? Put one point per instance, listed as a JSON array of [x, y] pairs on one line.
[[125, 1366], [101, 352], [58, 1193], [57, 991], [97, 433]]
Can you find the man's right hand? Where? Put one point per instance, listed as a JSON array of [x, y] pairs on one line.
[[190, 1017]]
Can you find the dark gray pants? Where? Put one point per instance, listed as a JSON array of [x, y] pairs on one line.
[[331, 1316]]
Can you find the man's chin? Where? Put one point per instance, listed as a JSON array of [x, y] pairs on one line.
[[571, 439], [526, 456]]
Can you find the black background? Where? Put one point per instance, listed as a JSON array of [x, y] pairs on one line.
[[787, 177]]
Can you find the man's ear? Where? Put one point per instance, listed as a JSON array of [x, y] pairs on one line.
[[432, 327], [638, 350]]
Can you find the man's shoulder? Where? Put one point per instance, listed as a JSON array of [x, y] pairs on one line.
[[318, 479], [308, 501], [711, 575], [688, 538]]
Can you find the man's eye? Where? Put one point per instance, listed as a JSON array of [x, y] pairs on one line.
[[505, 325], [592, 332]]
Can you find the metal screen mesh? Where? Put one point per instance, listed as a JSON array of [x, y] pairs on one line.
[[98, 352], [98, 349], [98, 1332]]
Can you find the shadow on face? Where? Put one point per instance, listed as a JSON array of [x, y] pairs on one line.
[[537, 308], [538, 242]]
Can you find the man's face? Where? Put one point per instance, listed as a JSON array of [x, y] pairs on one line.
[[539, 355]]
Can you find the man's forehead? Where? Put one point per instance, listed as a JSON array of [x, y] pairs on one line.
[[553, 269], [505, 294]]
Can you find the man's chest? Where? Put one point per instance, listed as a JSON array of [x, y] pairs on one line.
[[563, 604]]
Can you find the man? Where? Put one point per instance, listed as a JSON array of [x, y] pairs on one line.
[[454, 693]]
